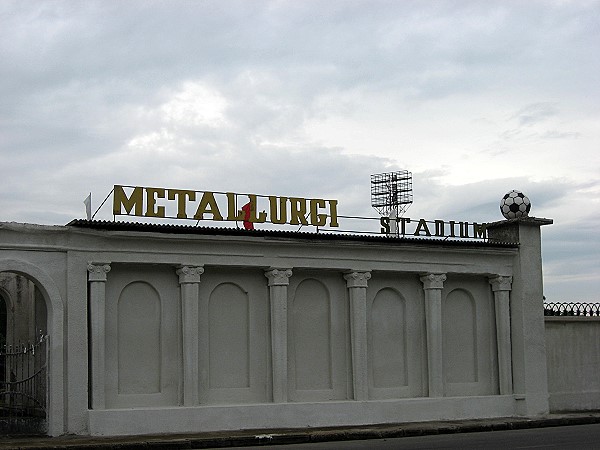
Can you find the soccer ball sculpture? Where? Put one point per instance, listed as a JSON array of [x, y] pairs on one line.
[[514, 205]]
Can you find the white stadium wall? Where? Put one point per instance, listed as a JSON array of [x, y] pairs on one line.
[[573, 353], [176, 329]]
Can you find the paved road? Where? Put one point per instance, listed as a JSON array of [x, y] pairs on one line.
[[580, 437]]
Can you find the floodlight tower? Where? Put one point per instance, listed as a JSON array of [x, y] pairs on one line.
[[391, 195]]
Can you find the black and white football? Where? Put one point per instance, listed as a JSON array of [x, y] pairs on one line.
[[515, 205]]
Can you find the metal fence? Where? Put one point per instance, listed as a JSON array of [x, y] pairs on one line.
[[572, 309], [23, 390]]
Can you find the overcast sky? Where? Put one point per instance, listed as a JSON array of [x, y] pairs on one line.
[[308, 98]]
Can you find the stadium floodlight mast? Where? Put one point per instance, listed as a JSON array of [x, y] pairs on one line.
[[391, 195]]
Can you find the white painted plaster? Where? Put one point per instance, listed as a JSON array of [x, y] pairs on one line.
[[573, 355], [304, 347]]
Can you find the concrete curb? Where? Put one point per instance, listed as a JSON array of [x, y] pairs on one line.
[[294, 436]]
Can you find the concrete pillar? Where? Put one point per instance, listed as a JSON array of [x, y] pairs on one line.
[[279, 279], [356, 283], [189, 280], [97, 273], [530, 378], [501, 286], [433, 283]]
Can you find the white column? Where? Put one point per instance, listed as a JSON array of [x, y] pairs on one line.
[[279, 279], [97, 280], [189, 280], [527, 333], [501, 286], [433, 283], [356, 283]]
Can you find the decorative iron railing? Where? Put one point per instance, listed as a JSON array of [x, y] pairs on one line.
[[572, 309], [23, 387]]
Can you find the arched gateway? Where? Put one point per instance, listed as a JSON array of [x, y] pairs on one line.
[[55, 325]]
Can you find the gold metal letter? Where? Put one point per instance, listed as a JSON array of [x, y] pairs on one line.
[[135, 201], [261, 217], [298, 211], [282, 216], [233, 213], [181, 200], [333, 222], [151, 194], [208, 199], [316, 219]]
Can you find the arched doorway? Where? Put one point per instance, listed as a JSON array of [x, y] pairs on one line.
[[23, 356], [47, 294]]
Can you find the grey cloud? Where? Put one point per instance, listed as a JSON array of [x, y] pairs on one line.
[[156, 43], [570, 253], [481, 200], [555, 134], [530, 123], [535, 113], [81, 80]]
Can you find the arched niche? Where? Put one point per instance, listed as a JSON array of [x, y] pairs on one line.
[[311, 331], [387, 340], [229, 337], [139, 341], [460, 337]]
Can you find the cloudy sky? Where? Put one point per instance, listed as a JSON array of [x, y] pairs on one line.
[[308, 98]]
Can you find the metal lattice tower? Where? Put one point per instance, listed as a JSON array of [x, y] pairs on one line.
[[391, 193]]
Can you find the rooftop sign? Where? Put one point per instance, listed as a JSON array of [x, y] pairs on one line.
[[223, 206], [250, 209]]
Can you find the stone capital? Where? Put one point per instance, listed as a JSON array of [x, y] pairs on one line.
[[501, 283], [189, 274], [278, 277], [433, 280], [357, 279], [98, 271]]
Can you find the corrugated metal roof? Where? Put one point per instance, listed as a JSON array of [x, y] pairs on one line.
[[323, 236]]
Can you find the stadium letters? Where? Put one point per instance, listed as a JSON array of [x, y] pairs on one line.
[[436, 228]]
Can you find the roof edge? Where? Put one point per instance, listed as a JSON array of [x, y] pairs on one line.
[[215, 231]]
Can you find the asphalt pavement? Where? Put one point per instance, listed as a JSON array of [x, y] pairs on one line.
[[245, 438], [579, 437]]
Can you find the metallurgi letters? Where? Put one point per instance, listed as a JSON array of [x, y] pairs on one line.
[[222, 206]]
